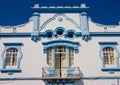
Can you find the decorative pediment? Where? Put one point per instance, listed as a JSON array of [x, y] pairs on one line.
[[59, 20]]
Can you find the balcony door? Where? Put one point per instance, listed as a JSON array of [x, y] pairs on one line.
[[60, 57]]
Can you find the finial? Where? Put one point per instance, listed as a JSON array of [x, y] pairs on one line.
[[119, 23], [36, 6], [83, 5]]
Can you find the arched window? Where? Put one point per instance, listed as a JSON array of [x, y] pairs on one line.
[[108, 54], [11, 57]]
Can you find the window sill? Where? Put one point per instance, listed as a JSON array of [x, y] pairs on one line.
[[10, 70], [111, 69]]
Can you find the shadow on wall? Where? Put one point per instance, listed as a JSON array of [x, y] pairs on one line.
[[80, 82]]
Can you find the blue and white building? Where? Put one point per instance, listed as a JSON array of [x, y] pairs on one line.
[[60, 46]]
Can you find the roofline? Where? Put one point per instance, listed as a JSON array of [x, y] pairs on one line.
[[60, 9]]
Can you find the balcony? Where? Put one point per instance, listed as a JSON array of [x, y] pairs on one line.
[[60, 73]]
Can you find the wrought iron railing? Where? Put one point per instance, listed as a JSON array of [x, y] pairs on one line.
[[68, 72]]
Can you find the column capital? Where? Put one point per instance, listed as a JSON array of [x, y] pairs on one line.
[[36, 14], [83, 13]]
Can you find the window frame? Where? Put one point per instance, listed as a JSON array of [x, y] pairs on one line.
[[113, 45], [11, 69], [64, 43], [62, 51]]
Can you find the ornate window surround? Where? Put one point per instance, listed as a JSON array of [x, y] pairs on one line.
[[67, 44], [112, 45], [10, 71]]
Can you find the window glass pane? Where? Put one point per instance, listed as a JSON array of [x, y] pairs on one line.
[[71, 54], [108, 54], [60, 56], [11, 56], [14, 60], [8, 60], [49, 56]]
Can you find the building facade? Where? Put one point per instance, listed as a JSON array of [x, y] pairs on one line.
[[60, 46]]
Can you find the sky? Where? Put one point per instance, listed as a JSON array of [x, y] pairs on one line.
[[15, 12]]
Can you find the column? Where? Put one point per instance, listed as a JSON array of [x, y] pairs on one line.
[[67, 57], [84, 22], [35, 32], [53, 57], [36, 21]]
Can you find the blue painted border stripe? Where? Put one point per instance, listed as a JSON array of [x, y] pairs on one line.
[[3, 79], [15, 34], [79, 34], [109, 34], [110, 43], [82, 78], [60, 10]]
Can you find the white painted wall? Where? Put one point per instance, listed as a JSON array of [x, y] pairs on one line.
[[88, 59]]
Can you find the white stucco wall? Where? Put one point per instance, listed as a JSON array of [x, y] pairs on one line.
[[87, 59]]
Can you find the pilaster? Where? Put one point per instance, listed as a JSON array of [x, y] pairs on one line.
[[67, 57], [53, 57], [84, 24], [35, 32]]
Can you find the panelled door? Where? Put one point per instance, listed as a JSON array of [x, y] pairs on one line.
[[60, 58]]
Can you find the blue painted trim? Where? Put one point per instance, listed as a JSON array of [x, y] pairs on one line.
[[22, 78], [8, 46], [111, 44], [35, 33], [105, 34], [72, 32], [58, 29], [67, 57], [53, 57], [84, 26], [100, 78], [60, 10], [48, 21], [82, 78], [10, 70], [74, 45], [111, 69], [11, 44], [36, 19], [66, 43], [108, 43], [61, 81], [47, 34], [15, 35], [78, 34], [60, 41], [36, 14]]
